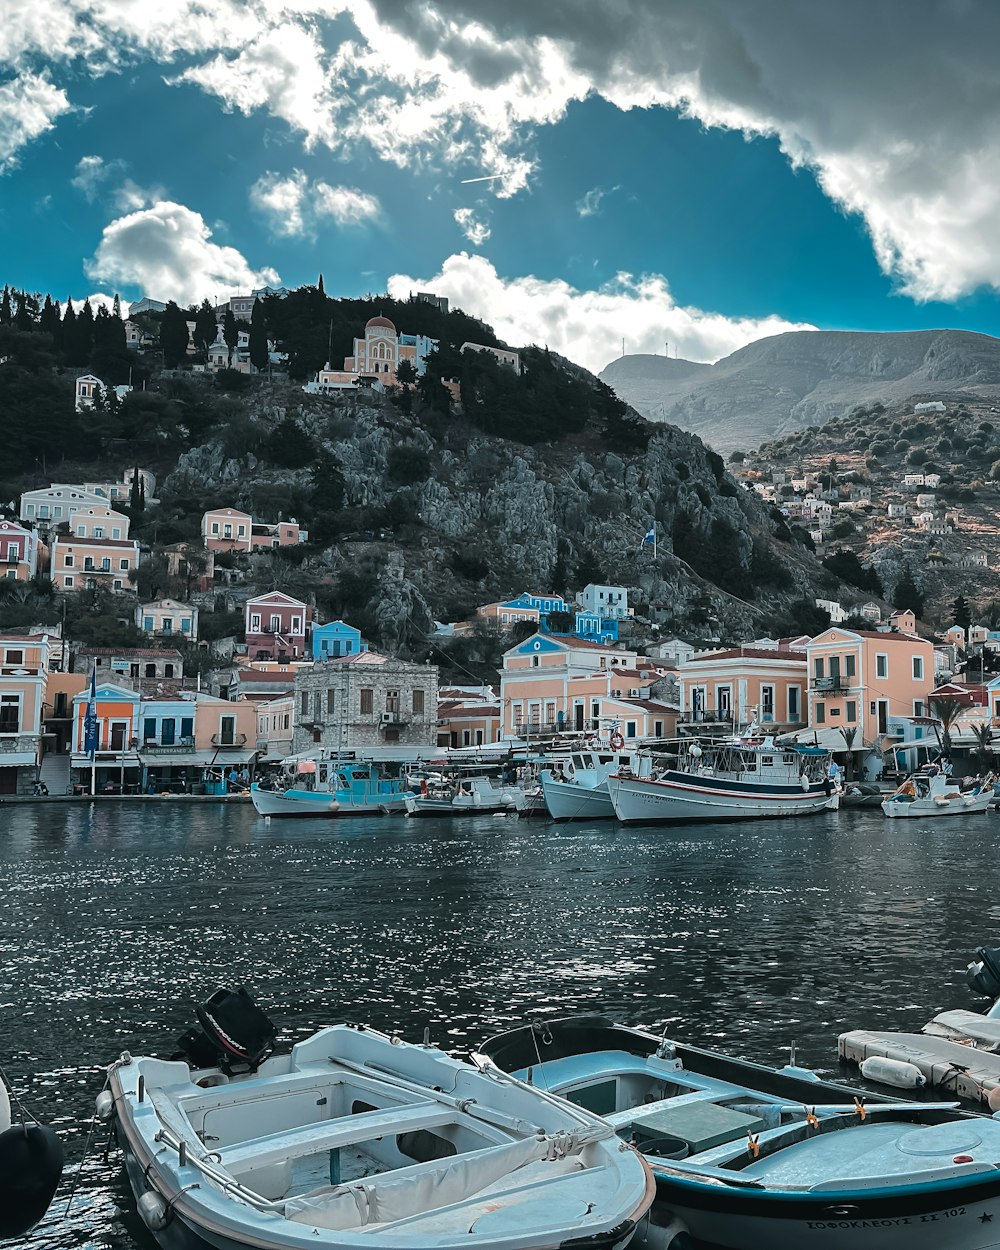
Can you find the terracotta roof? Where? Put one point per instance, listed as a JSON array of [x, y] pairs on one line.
[[136, 653], [749, 653], [70, 540], [649, 705]]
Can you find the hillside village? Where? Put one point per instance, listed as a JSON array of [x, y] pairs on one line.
[[217, 634]]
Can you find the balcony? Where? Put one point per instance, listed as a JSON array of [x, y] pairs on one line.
[[831, 685], [152, 747], [233, 740]]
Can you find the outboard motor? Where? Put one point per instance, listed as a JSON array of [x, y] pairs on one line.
[[983, 976], [232, 1034]]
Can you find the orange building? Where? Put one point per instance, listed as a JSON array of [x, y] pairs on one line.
[[744, 685]]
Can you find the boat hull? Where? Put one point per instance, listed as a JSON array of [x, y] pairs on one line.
[[746, 1219], [681, 798], [443, 807], [569, 800], [293, 802]]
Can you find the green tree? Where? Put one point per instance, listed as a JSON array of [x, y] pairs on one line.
[[230, 333], [907, 593], [961, 613], [946, 709], [560, 622], [205, 327], [6, 312], [258, 336], [173, 335], [290, 446], [136, 495]]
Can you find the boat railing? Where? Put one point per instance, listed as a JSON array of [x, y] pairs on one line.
[[206, 1165]]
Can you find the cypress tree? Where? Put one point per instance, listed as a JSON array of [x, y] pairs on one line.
[[230, 333], [67, 337], [319, 285], [205, 327], [907, 593], [48, 320], [6, 313], [258, 337], [173, 335]]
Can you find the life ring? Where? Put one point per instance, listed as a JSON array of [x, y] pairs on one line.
[[617, 741]]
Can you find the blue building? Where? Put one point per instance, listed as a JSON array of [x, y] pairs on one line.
[[336, 640]]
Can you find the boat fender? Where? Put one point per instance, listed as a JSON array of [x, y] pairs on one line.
[[804, 781], [617, 741], [154, 1210], [895, 1072], [105, 1105], [993, 1101], [667, 1232], [31, 1163]]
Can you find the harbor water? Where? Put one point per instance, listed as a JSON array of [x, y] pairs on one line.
[[116, 918]]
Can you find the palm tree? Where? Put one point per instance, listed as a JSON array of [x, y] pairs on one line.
[[947, 709], [984, 737], [849, 735]]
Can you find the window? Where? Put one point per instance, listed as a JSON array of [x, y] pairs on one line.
[[10, 714], [68, 581], [535, 661], [118, 584], [418, 702], [168, 670], [767, 702], [818, 666], [15, 658], [148, 729], [185, 625], [852, 711], [882, 666], [123, 565], [116, 532], [147, 624], [168, 729], [215, 527], [918, 707], [167, 624], [317, 705], [68, 560], [98, 531], [241, 531], [150, 670], [227, 730], [794, 703], [88, 564], [255, 623], [80, 531], [331, 702], [367, 700], [850, 665], [304, 703], [630, 729], [106, 565], [187, 726], [820, 713], [392, 700], [118, 732], [918, 668]]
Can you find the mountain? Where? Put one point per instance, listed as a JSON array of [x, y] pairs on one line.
[[781, 384]]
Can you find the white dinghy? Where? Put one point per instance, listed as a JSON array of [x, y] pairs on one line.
[[356, 1139]]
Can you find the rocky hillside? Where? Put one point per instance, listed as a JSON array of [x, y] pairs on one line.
[[781, 384]]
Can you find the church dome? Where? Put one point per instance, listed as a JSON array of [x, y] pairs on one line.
[[384, 322]]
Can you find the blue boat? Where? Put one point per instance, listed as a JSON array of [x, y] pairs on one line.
[[747, 1156], [322, 787]]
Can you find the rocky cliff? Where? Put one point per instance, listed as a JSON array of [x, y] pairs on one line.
[[781, 384]]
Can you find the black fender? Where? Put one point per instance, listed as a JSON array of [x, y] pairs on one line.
[[31, 1163]]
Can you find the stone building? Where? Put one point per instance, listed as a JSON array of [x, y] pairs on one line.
[[364, 701]]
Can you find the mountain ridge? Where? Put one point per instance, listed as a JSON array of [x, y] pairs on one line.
[[784, 383]]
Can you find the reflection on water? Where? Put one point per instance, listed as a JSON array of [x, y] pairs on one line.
[[115, 919]]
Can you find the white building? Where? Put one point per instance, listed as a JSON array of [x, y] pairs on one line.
[[606, 601], [50, 506]]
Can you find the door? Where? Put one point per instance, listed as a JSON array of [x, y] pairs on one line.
[[119, 731], [227, 731]]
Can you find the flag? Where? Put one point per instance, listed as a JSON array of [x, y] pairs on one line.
[[650, 535], [90, 720]]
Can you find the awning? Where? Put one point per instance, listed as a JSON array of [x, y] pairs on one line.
[[197, 759]]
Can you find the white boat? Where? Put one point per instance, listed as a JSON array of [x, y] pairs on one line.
[[930, 793], [748, 1157], [330, 787], [748, 778], [356, 1139], [465, 796], [31, 1162], [577, 788]]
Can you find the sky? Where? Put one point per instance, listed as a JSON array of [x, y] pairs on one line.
[[680, 176]]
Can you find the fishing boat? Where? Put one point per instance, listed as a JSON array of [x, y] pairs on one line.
[[577, 788], [322, 787], [465, 796], [357, 1139], [745, 778], [860, 794], [31, 1163], [931, 792], [745, 1156]]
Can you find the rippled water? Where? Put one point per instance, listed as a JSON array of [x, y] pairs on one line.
[[114, 919]]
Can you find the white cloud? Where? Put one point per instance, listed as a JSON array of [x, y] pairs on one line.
[[588, 326], [91, 173], [346, 205], [167, 252], [476, 231], [894, 108], [295, 207], [590, 204], [28, 107]]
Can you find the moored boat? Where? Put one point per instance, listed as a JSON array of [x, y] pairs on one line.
[[577, 788], [465, 796], [745, 1156], [931, 793], [748, 778], [330, 787], [356, 1139]]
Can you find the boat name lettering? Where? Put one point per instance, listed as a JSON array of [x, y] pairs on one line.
[[903, 1219], [942, 1215]]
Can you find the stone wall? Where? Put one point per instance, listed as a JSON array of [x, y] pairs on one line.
[[347, 706]]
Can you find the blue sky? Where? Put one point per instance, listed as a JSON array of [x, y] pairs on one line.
[[703, 179]]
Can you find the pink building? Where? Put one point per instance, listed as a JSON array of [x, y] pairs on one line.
[[18, 552], [276, 627], [91, 563], [743, 686], [553, 684], [226, 529], [281, 534], [861, 679]]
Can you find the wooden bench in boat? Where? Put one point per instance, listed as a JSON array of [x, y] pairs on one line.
[[333, 1134]]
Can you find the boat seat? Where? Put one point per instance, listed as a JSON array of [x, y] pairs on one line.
[[625, 1119], [216, 1096], [333, 1134]]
